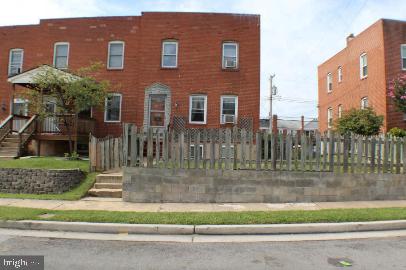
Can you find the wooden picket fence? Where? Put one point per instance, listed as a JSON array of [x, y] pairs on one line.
[[238, 149]]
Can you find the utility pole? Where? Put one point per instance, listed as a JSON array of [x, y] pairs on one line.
[[273, 90]]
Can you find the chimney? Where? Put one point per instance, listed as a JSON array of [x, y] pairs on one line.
[[349, 38]]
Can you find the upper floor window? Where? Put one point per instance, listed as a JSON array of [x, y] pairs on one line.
[[403, 56], [61, 55], [15, 65], [329, 82], [363, 66], [229, 109], [112, 111], [340, 110], [197, 109], [364, 102], [230, 55], [340, 74], [115, 55], [169, 54], [329, 117]]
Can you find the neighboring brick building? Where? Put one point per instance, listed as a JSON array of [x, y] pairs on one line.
[[160, 63], [359, 75]]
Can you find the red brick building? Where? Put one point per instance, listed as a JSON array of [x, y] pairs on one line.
[[359, 75], [201, 69]]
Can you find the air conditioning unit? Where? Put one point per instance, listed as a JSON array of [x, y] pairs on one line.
[[228, 118], [230, 64]]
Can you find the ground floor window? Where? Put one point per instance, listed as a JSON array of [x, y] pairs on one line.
[[20, 107], [112, 111], [229, 108], [192, 151], [197, 109]]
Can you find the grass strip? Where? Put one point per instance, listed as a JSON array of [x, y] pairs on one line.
[[214, 218]]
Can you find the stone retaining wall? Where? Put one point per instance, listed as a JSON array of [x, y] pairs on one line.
[[38, 181], [166, 185]]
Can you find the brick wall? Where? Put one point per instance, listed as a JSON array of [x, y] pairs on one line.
[[38, 181], [381, 41], [200, 37]]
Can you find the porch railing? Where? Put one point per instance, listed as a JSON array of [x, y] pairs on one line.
[[59, 124], [25, 133], [6, 127]]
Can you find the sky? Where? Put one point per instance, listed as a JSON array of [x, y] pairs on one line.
[[296, 35]]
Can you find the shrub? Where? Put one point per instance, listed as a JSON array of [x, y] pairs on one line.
[[397, 132], [359, 121]]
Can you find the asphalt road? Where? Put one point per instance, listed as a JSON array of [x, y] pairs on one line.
[[389, 253]]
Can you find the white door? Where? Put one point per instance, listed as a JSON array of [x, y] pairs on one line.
[[50, 124]]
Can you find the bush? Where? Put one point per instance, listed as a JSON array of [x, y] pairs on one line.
[[397, 132], [359, 121]]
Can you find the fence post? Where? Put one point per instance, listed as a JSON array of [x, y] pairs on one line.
[[150, 148], [331, 151], [318, 150], [133, 152], [345, 153], [243, 146], [228, 148], [212, 149], [259, 150]]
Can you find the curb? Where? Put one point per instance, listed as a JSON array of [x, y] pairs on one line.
[[165, 229]]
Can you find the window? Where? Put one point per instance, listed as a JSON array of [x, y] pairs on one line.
[[329, 82], [61, 55], [403, 55], [157, 110], [229, 109], [363, 66], [340, 110], [112, 109], [15, 65], [20, 107], [197, 109], [329, 117], [230, 55], [170, 54], [340, 74], [115, 55], [364, 102], [192, 151]]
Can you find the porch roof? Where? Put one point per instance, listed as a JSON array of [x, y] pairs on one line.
[[28, 76]]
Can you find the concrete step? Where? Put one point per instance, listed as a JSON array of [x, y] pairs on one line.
[[108, 185], [109, 178], [105, 192]]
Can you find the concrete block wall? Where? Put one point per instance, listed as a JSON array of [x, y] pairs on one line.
[[38, 181], [215, 186]]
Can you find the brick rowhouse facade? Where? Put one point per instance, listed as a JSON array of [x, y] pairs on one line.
[[200, 38], [381, 42]]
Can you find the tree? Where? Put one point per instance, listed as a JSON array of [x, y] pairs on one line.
[[397, 92], [359, 121], [71, 94]]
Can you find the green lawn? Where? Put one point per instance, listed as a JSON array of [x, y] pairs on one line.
[[271, 217], [52, 163]]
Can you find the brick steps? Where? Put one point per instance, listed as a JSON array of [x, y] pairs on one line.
[[109, 185]]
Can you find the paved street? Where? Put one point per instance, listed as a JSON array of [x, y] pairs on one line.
[[389, 253]]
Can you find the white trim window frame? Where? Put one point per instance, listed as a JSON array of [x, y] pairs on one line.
[[233, 57], [363, 66], [222, 114], [329, 117], [198, 110], [364, 103], [329, 82], [168, 54], [192, 151], [340, 110], [108, 119], [113, 54], [57, 57], [24, 106], [403, 56], [15, 67], [340, 74]]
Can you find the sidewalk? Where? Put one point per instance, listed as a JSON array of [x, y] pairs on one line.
[[110, 204]]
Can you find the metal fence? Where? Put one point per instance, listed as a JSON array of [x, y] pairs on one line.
[[239, 149]]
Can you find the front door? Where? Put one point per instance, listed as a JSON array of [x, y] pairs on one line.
[[50, 124], [157, 110]]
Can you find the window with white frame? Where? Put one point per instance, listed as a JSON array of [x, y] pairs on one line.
[[340, 74], [229, 109], [403, 55], [197, 109], [329, 82], [61, 55], [112, 111], [230, 55], [340, 110], [20, 106], [364, 102], [169, 54], [115, 55], [192, 151], [15, 65], [363, 65], [329, 117]]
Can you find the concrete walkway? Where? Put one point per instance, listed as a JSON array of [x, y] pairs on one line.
[[110, 204]]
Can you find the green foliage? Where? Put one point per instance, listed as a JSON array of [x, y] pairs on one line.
[[359, 121], [73, 156], [397, 132]]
